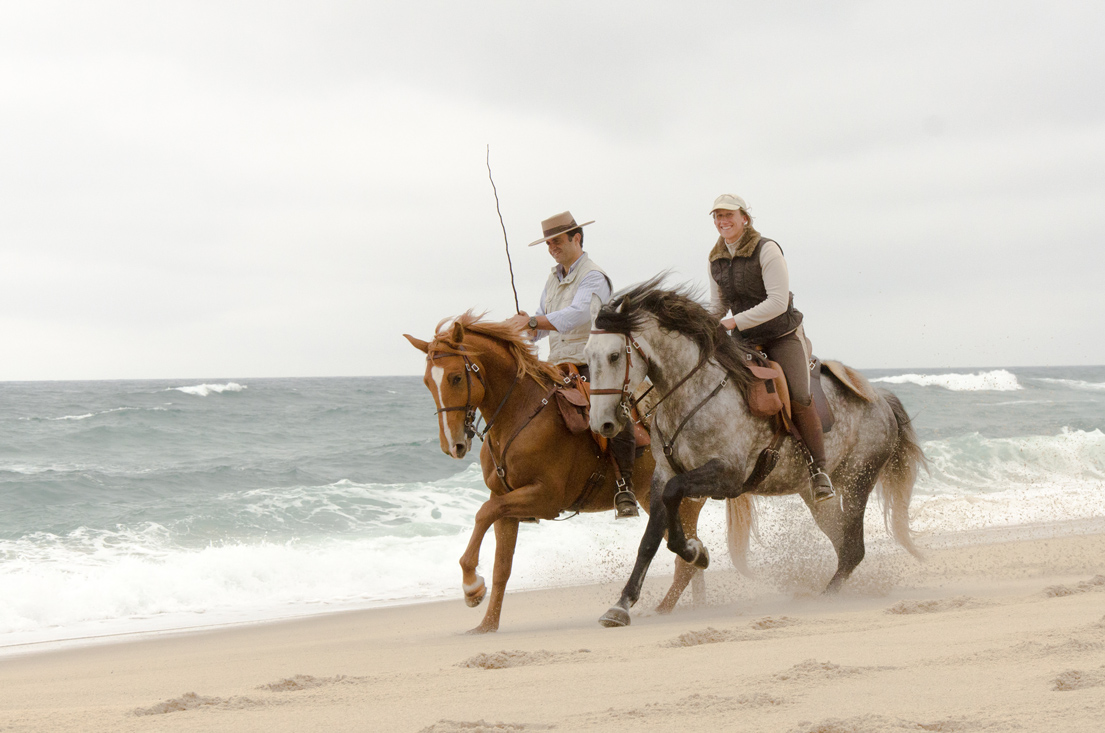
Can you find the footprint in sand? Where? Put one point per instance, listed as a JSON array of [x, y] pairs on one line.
[[516, 658], [709, 635], [1075, 679], [813, 669], [772, 622], [1097, 582], [192, 701], [306, 682], [934, 606], [480, 726], [883, 724]]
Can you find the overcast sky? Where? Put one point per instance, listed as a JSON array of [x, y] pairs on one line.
[[255, 189]]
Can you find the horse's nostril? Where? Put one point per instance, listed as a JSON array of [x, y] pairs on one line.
[[608, 428]]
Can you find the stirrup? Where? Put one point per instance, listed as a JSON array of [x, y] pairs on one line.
[[625, 502], [821, 486]]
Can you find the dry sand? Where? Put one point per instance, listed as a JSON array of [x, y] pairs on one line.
[[1003, 636]]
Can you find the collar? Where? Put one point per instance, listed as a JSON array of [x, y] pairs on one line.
[[560, 275], [743, 248]]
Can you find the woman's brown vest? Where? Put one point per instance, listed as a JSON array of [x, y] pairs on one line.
[[740, 283]]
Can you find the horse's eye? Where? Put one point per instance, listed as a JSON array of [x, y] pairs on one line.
[[455, 380], [614, 357]]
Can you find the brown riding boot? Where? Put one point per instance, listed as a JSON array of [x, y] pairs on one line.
[[808, 423], [624, 448]]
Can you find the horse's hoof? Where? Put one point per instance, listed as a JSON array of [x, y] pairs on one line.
[[482, 629], [473, 595], [701, 557], [616, 616]]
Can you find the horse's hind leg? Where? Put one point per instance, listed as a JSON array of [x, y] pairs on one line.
[[684, 571], [844, 527]]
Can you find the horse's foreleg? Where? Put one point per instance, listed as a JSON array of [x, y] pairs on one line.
[[618, 614], [703, 481], [684, 571], [529, 501], [473, 584], [506, 537]]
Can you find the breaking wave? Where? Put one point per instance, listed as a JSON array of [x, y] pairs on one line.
[[998, 380]]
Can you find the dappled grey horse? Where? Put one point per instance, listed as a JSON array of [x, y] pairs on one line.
[[707, 442]]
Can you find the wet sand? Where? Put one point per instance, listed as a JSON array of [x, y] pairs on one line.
[[996, 632]]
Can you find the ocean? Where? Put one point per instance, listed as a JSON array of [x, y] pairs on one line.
[[143, 506]]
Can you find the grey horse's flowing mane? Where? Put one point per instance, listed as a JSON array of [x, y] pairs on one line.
[[675, 310]]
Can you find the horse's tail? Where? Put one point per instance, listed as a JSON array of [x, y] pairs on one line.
[[898, 476], [740, 520]]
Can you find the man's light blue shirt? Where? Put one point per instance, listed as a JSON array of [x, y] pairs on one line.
[[579, 312]]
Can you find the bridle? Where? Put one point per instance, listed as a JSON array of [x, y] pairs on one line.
[[471, 430], [627, 404]]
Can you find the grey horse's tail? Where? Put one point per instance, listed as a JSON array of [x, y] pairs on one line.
[[740, 520], [898, 476]]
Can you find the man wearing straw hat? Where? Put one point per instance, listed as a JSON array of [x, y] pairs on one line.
[[564, 315]]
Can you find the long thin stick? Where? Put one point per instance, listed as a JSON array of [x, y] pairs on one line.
[[500, 213]]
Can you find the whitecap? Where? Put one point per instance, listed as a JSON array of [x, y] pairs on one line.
[[998, 380], [1075, 384], [203, 390]]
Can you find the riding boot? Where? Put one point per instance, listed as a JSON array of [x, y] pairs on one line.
[[808, 423], [624, 448]]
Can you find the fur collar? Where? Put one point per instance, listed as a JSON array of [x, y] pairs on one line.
[[744, 248]]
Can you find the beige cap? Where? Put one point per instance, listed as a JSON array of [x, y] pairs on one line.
[[729, 202], [562, 222]]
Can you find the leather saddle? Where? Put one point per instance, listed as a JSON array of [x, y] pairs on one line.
[[769, 394]]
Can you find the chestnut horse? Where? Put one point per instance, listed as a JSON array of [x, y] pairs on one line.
[[533, 464]]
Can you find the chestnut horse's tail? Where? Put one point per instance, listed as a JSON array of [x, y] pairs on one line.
[[896, 480], [740, 520]]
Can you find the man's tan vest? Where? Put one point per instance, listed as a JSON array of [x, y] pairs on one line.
[[568, 347]]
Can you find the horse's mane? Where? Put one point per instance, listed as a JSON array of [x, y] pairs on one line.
[[675, 310], [511, 339]]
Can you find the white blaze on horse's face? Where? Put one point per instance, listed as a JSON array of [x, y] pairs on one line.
[[447, 384]]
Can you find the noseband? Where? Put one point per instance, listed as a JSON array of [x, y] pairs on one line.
[[470, 367], [626, 404]]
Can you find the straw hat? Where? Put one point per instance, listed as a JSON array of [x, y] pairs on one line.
[[563, 222]]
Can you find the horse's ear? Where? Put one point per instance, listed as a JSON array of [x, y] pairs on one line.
[[623, 305], [596, 306], [423, 346], [458, 332]]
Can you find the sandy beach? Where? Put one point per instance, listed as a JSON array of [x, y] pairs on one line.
[[991, 633]]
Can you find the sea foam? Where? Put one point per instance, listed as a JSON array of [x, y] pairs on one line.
[[998, 380]]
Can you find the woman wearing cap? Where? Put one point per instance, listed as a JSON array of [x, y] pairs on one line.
[[748, 278]]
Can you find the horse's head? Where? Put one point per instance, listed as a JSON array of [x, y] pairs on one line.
[[617, 367], [454, 378]]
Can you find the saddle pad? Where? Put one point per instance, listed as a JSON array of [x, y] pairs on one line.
[[851, 379]]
